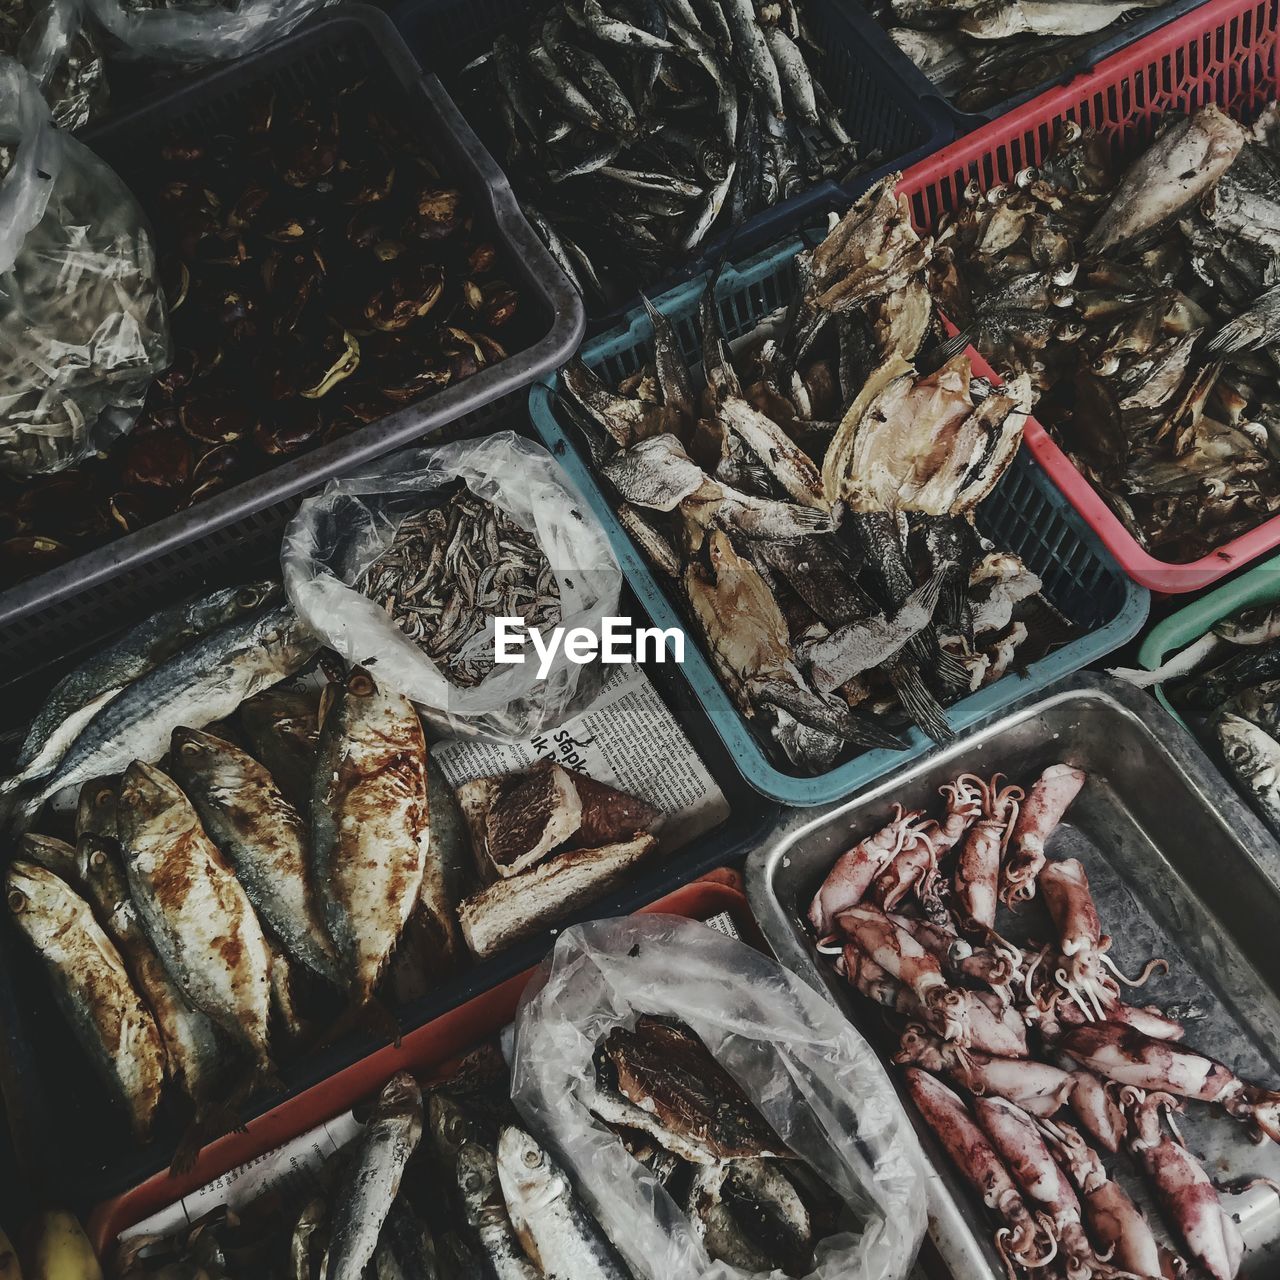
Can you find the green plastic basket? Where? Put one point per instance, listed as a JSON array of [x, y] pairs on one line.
[[1261, 585]]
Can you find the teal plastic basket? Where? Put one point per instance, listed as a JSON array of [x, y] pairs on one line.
[[1261, 585], [1025, 514]]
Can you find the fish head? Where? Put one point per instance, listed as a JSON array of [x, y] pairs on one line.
[[204, 755], [96, 807], [51, 853], [235, 602], [1251, 626], [41, 900], [452, 1126], [1251, 751], [147, 797], [400, 1099], [529, 1177], [478, 1175], [99, 867]]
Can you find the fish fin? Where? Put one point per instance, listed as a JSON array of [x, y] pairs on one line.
[[949, 670], [863, 730], [946, 351], [1241, 334], [918, 702]]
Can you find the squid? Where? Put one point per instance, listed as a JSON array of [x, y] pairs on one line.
[[1127, 1056], [994, 963], [1087, 974], [849, 879], [1022, 1147], [1184, 1190], [1039, 1088], [1023, 1239], [1050, 797], [978, 867], [1115, 1224]]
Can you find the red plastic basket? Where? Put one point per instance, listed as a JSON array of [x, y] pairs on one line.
[[1223, 52], [428, 1050]]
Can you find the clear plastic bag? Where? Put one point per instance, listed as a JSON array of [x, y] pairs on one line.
[[83, 327], [199, 30], [811, 1075], [337, 535], [49, 39]]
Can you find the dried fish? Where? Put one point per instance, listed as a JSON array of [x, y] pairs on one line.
[[450, 570]]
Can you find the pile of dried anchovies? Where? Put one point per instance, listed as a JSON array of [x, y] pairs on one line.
[[449, 570]]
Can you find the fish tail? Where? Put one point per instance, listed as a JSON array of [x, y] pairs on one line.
[[947, 351], [866, 732], [1239, 334], [918, 702]]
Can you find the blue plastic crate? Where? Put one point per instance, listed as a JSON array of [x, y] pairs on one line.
[[1025, 514], [881, 109]]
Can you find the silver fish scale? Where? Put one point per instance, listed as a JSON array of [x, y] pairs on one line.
[[449, 570]]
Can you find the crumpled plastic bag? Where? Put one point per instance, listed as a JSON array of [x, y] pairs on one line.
[[50, 40], [83, 325], [198, 30], [816, 1081], [338, 534]]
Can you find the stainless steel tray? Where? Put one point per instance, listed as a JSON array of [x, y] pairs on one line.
[[1179, 868]]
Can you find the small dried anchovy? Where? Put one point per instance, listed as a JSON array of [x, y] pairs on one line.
[[449, 570]]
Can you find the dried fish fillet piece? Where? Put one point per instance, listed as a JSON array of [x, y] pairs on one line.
[[663, 1068], [510, 910], [536, 813]]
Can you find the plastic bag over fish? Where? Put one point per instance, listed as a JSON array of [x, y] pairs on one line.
[[50, 40], [83, 326], [337, 535], [196, 32], [810, 1074]]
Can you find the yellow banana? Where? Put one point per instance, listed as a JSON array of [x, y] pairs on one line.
[[60, 1250]]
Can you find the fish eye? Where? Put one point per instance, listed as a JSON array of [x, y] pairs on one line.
[[190, 747], [104, 797], [248, 597], [17, 900], [532, 1159], [471, 1182], [97, 859], [360, 684]]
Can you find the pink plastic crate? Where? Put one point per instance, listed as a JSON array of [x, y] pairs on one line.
[[1223, 52]]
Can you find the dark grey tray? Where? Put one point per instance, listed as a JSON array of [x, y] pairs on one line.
[[81, 595], [1179, 869]]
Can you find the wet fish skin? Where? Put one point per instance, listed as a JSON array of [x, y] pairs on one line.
[[1005, 19], [793, 71], [92, 986], [770, 1212], [78, 695], [203, 682], [194, 909], [751, 51], [370, 825], [486, 1213], [548, 1217], [371, 1180], [191, 1041], [262, 836]]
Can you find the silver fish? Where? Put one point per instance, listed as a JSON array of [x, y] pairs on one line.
[[204, 682], [194, 909], [1179, 167], [282, 727], [92, 986], [1254, 757], [751, 52], [263, 838], [371, 1181], [52, 854], [1004, 19], [191, 1041], [1259, 704], [615, 31], [797, 82], [554, 1227], [370, 824], [77, 697], [1260, 625], [487, 1216]]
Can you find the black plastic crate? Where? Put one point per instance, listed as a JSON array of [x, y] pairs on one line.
[[882, 110], [77, 1139], [345, 42]]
